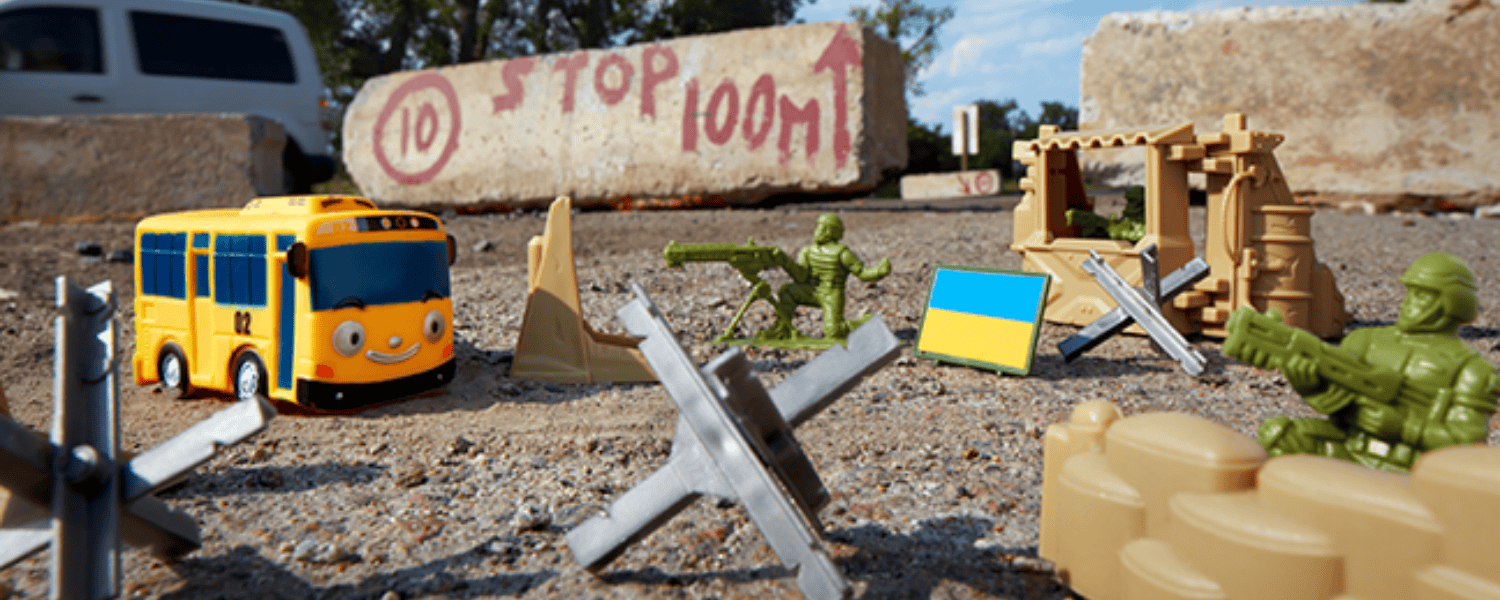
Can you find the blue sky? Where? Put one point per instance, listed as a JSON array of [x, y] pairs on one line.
[[1028, 50]]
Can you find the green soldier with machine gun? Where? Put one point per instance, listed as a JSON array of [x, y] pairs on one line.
[[818, 275], [1390, 393], [749, 259]]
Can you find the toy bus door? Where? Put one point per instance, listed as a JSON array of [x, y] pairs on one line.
[[200, 355], [286, 315]]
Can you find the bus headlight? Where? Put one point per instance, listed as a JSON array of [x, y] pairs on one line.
[[348, 338], [434, 325]]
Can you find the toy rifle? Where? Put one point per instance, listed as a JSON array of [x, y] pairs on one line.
[[1266, 342], [749, 259]]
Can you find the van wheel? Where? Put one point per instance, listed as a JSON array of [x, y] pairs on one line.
[[249, 376], [172, 372]]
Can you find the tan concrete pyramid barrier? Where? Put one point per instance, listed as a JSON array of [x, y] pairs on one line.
[[556, 344], [1171, 506]]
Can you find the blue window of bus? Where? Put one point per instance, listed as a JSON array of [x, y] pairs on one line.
[[240, 270], [163, 272], [200, 263], [378, 273]]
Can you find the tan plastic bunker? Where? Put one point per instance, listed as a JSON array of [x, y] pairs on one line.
[[1258, 243]]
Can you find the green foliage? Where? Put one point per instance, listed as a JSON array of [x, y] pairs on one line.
[[694, 17], [911, 25], [1053, 113], [928, 150], [1001, 123]]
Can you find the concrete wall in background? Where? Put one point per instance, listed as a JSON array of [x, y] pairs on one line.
[[56, 168], [1372, 98], [956, 184], [735, 116]]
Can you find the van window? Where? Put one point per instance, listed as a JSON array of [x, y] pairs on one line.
[[194, 47], [63, 40]]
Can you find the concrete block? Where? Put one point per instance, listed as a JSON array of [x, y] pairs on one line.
[[54, 168], [732, 117], [1372, 98], [928, 186]]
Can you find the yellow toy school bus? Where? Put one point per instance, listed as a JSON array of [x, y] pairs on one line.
[[325, 301]]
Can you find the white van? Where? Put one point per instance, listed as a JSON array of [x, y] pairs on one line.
[[68, 57]]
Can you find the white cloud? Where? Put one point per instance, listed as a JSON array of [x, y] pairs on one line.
[[965, 54], [1068, 44], [937, 108]]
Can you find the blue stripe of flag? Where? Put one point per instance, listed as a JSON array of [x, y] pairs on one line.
[[1001, 295]]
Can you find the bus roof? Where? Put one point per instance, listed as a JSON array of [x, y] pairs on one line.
[[275, 212]]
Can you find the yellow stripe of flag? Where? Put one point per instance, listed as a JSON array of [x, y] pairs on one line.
[[1000, 341]]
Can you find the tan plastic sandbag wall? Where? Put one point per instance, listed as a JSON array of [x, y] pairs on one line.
[[1169, 506]]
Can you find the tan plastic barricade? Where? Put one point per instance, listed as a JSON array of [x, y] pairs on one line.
[[1169, 505]]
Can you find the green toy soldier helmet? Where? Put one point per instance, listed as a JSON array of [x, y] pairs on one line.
[[830, 228], [1456, 285]]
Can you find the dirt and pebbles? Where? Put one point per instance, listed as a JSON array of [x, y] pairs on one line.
[[935, 471]]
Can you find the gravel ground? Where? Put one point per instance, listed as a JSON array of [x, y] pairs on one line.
[[467, 492]]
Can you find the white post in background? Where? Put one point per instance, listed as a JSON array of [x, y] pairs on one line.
[[965, 133]]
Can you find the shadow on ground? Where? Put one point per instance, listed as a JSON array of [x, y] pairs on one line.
[[913, 565], [242, 573], [276, 480]]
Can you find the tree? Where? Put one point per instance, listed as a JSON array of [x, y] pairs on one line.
[[1001, 124], [928, 150], [694, 17], [1053, 113], [911, 25]]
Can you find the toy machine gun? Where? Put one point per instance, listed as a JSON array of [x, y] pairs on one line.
[[749, 259], [1264, 341]]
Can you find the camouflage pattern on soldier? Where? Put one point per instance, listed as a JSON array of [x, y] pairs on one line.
[[828, 264], [1453, 390]]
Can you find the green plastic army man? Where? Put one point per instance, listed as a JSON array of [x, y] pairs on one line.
[[1390, 393], [827, 264], [818, 275]]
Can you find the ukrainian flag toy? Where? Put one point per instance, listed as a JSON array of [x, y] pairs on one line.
[[987, 318]]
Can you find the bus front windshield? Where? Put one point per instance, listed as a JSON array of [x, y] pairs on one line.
[[360, 275]]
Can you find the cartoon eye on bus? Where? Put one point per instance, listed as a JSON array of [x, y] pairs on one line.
[[324, 301]]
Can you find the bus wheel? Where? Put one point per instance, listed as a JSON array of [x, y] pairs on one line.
[[249, 376], [171, 370]]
